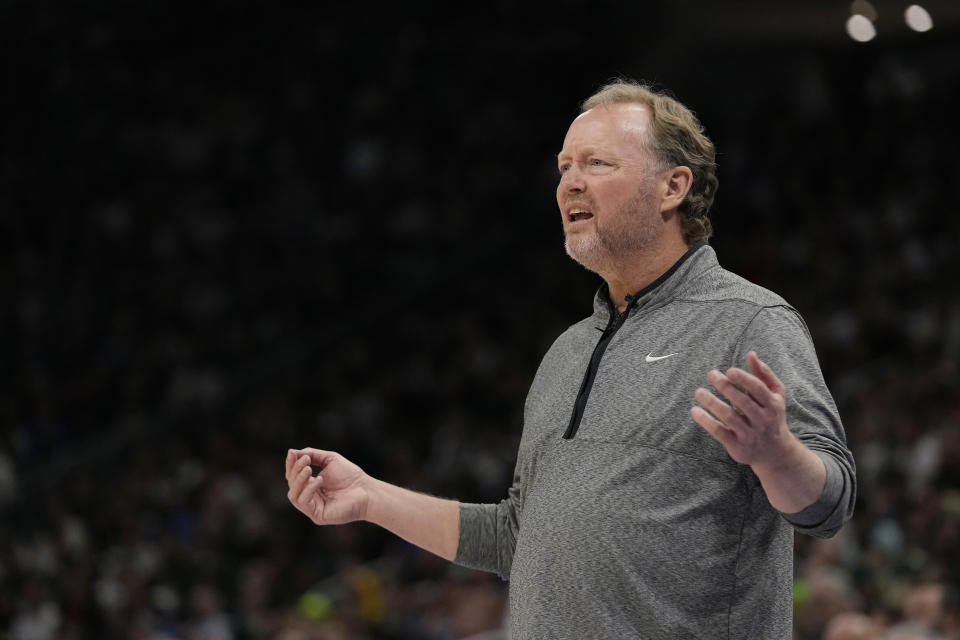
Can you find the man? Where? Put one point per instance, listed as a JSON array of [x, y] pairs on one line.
[[633, 514]]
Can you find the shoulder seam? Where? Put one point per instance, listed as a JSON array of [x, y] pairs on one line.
[[754, 303], [739, 343]]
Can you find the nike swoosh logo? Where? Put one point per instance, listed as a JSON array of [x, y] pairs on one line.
[[653, 358]]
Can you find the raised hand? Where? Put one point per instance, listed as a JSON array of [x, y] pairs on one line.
[[753, 430], [336, 495], [752, 424]]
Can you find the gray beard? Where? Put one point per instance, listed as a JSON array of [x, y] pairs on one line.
[[592, 253], [607, 249]]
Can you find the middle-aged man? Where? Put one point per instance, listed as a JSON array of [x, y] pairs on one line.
[[632, 513]]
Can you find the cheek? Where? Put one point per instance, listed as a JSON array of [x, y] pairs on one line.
[[560, 199], [622, 196]]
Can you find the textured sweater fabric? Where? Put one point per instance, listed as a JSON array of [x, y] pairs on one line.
[[639, 524]]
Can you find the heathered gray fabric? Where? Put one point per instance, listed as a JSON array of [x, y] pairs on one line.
[[641, 526]]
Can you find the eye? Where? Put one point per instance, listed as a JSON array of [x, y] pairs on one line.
[[597, 162], [564, 168]]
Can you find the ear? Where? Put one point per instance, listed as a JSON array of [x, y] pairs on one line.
[[676, 183]]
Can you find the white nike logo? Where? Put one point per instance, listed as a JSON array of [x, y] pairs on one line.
[[653, 358]]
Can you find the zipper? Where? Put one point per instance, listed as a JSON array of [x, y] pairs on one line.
[[616, 321], [613, 325]]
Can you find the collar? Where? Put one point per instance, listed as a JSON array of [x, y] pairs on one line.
[[698, 258]]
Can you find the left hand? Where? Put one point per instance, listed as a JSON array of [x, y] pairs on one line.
[[753, 426]]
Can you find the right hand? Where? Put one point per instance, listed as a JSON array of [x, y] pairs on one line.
[[336, 495]]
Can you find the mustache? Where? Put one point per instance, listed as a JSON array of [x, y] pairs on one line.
[[578, 202]]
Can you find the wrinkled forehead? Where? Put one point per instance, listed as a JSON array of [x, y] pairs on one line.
[[620, 124]]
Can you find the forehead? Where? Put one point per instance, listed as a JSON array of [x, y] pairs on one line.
[[616, 127]]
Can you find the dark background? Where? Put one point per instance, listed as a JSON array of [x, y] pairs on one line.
[[231, 229]]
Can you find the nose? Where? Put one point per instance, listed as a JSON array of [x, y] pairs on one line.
[[571, 181]]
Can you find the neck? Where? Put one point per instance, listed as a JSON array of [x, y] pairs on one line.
[[640, 271]]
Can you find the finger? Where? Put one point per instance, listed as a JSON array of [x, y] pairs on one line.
[[296, 460], [297, 479], [309, 490], [740, 400], [712, 426], [726, 414], [750, 385], [319, 456], [765, 373], [315, 503]]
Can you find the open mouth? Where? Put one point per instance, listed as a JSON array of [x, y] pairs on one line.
[[575, 215]]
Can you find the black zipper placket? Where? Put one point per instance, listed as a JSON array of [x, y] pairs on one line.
[[613, 325], [616, 321]]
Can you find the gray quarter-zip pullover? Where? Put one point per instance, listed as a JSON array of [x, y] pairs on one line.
[[638, 524]]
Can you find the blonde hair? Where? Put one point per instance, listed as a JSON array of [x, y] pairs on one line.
[[676, 139]]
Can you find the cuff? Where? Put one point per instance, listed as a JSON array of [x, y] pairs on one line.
[[818, 517]]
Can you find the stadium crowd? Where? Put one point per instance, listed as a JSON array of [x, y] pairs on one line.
[[215, 254]]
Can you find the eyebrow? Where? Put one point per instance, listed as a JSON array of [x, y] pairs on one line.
[[589, 151]]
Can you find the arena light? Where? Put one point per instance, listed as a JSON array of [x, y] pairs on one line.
[[860, 28], [918, 18]]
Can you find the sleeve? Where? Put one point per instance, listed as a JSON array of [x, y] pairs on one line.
[[781, 339], [488, 534]]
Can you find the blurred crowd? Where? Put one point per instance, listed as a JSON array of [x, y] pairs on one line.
[[308, 234]]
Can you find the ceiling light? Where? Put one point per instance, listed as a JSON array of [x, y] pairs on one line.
[[860, 28], [917, 18]]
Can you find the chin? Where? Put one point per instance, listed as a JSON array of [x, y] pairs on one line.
[[587, 254]]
